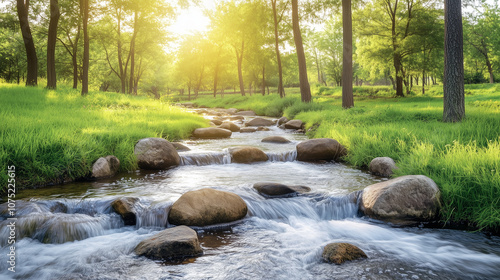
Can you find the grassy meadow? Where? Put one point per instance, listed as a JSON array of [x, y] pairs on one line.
[[53, 136], [462, 158]]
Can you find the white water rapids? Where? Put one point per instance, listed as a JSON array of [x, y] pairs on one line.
[[71, 232]]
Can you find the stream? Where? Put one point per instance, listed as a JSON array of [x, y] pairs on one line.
[[71, 232]]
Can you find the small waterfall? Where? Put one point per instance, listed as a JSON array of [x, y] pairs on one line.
[[154, 216], [284, 156], [206, 159], [320, 208]]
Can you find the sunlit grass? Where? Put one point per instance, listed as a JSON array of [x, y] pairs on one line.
[[462, 158], [52, 136]]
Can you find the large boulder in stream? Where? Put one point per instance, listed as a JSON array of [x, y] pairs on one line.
[[294, 124], [320, 149], [275, 190], [405, 200], [230, 126], [105, 167], [211, 133], [125, 207], [260, 122], [382, 166], [276, 139], [247, 154], [338, 253], [171, 244], [156, 154], [207, 207]]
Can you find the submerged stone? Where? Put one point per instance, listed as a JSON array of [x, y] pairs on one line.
[[125, 207], [279, 190], [338, 253]]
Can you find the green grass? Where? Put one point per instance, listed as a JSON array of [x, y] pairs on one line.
[[462, 158], [52, 136]]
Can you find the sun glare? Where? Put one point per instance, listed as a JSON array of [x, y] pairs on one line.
[[190, 21]]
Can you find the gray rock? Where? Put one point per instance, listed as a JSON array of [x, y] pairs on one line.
[[125, 207], [405, 200], [260, 122], [156, 154], [180, 147], [246, 154], [105, 167], [382, 166], [211, 133], [282, 120], [294, 124], [338, 253], [279, 190], [170, 244], [207, 207], [276, 139], [320, 149]]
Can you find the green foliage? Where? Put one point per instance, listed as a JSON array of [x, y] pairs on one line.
[[52, 136]]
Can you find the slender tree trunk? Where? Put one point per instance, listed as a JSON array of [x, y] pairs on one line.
[[132, 56], [84, 5], [51, 44], [305, 90], [239, 58], [453, 82], [281, 90], [423, 82], [74, 58], [490, 70], [263, 86], [215, 78], [29, 44], [123, 75], [347, 96]]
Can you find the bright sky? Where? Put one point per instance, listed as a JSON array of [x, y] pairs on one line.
[[192, 19]]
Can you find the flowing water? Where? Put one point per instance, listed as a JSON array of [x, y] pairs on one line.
[[71, 231]]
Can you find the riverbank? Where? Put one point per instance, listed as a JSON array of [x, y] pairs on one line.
[[53, 137], [462, 158]]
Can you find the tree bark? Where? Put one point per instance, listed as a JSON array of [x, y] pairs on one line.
[[239, 58], [305, 90], [453, 81], [281, 90], [347, 96], [132, 56], [29, 44], [51, 44], [84, 6], [74, 58], [263, 86]]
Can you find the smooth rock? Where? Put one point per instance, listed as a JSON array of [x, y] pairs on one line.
[[282, 120], [156, 153], [211, 133], [236, 118], [125, 207], [246, 113], [279, 190], [230, 126], [172, 243], [216, 122], [260, 122], [338, 253], [248, 129], [276, 139], [179, 147], [405, 200], [105, 167], [207, 207], [247, 154], [262, 128], [382, 166], [294, 124], [320, 149]]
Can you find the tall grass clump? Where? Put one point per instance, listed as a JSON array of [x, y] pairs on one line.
[[55, 136]]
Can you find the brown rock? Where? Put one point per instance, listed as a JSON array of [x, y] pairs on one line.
[[248, 129], [405, 200], [156, 153], [282, 120], [262, 128], [247, 154], [105, 167], [382, 166], [173, 243], [207, 207], [320, 149], [260, 122], [246, 113], [294, 124], [125, 206], [338, 253], [230, 126], [211, 133], [216, 122], [180, 147], [276, 139]]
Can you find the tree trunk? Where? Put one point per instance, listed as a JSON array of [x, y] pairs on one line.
[[29, 44], [51, 44], [74, 58], [215, 79], [123, 75], [281, 90], [239, 58], [132, 56], [423, 82], [453, 81], [490, 70], [347, 96], [84, 6], [263, 86], [305, 90]]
